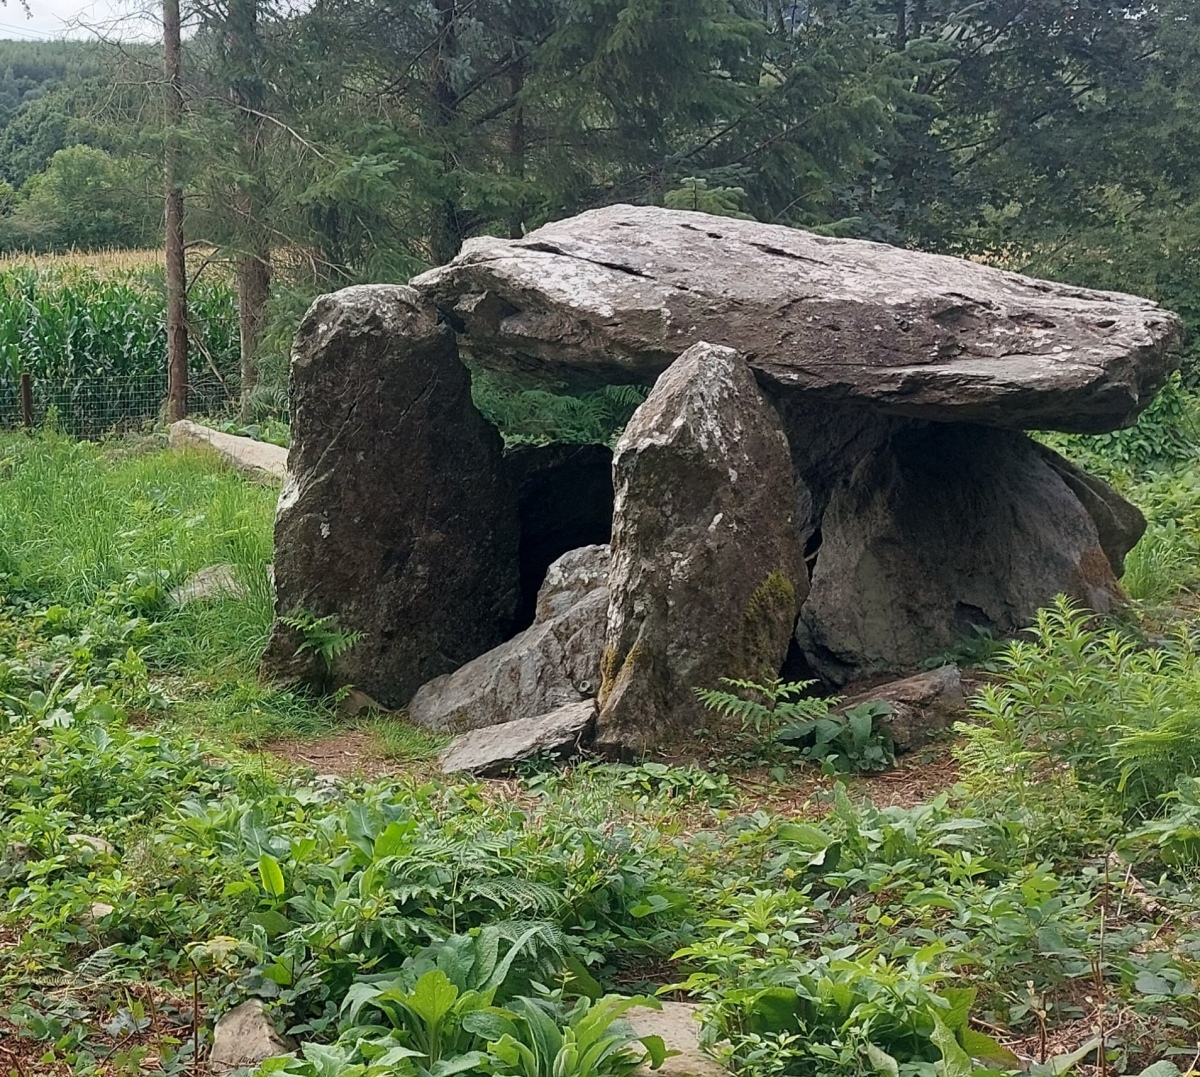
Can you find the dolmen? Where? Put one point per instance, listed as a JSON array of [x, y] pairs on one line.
[[831, 469]]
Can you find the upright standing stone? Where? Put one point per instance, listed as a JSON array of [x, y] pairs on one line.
[[397, 515], [707, 572]]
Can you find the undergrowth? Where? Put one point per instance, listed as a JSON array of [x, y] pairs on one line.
[[1041, 916]]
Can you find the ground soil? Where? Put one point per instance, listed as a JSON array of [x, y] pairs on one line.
[[916, 778]]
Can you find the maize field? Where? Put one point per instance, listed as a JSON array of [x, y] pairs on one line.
[[93, 341]]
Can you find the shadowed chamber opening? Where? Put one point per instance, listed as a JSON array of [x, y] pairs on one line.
[[564, 501]]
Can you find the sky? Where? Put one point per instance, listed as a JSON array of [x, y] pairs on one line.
[[50, 19]]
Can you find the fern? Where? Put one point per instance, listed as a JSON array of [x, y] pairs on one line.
[[527, 415], [765, 707], [509, 892]]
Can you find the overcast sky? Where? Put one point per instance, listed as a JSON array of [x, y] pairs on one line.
[[50, 19]]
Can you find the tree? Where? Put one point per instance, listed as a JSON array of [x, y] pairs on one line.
[[174, 251]]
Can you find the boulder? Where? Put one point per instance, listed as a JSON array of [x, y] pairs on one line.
[[397, 516], [616, 294], [921, 706], [1119, 524], [678, 1025], [245, 1036], [554, 662], [947, 528], [707, 572], [258, 459], [564, 501], [495, 750]]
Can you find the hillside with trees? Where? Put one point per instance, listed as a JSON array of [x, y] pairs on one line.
[[359, 141]]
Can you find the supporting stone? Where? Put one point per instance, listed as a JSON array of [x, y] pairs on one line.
[[707, 572], [947, 528], [397, 517]]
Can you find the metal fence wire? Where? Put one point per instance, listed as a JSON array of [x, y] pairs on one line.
[[106, 404]]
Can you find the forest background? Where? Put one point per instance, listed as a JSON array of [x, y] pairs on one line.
[[362, 140]]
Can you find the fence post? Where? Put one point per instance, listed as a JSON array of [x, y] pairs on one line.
[[27, 400]]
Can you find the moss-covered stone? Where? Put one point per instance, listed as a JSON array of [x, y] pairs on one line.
[[766, 628]]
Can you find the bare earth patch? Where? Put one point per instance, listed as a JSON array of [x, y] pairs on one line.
[[352, 754]]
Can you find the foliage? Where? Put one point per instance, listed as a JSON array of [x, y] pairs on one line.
[[694, 193], [1085, 706], [407, 926], [786, 714], [538, 416], [1166, 437], [322, 638]]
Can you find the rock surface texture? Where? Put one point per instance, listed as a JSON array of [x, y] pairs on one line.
[[245, 1036], [678, 1025], [397, 516], [554, 662], [922, 706], [616, 294], [707, 567], [497, 749], [832, 454], [947, 529]]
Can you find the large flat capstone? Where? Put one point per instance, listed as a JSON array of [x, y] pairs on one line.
[[616, 294]]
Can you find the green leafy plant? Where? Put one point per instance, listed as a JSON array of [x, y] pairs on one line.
[[323, 639], [786, 714]]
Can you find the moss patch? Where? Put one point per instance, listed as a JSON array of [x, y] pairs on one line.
[[768, 622]]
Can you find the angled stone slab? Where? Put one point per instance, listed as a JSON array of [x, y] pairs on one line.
[[707, 563], [553, 662], [497, 749], [615, 294]]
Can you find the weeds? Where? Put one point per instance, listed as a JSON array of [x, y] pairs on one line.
[[155, 875]]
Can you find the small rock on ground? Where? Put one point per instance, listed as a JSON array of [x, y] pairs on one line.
[[212, 582], [245, 1036], [495, 749], [91, 845], [921, 706], [679, 1026]]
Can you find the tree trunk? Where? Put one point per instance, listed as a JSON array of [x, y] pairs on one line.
[[254, 290], [446, 237], [176, 267], [516, 147], [901, 25], [254, 263]]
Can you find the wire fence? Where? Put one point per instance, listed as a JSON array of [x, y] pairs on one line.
[[93, 407]]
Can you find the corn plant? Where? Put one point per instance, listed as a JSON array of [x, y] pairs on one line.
[[95, 346]]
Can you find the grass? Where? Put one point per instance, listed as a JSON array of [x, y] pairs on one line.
[[1040, 917], [79, 519]]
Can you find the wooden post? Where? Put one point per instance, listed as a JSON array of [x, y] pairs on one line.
[[27, 401], [177, 335]]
